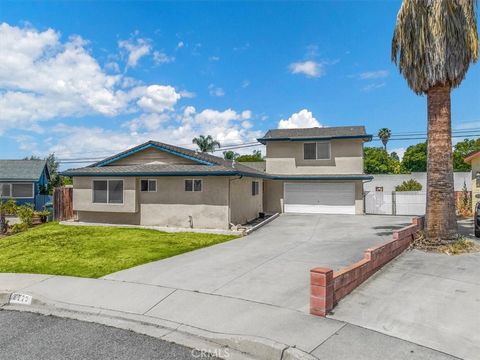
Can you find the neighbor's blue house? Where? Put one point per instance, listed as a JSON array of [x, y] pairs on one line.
[[22, 180]]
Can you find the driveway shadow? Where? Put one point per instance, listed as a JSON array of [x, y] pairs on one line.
[[388, 229]]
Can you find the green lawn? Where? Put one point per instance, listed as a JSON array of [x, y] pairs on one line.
[[93, 251]]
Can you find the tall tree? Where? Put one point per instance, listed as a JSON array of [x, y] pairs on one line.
[[230, 155], [461, 150], [415, 158], [384, 135], [433, 44], [206, 143], [256, 156], [377, 161]]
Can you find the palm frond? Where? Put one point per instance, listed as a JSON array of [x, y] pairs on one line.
[[435, 41]]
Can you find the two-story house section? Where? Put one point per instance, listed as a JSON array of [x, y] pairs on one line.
[[315, 170]]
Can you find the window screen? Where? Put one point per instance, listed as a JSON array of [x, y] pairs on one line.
[[22, 190], [188, 185], [255, 188], [100, 191], [323, 150], [5, 190], [144, 185], [309, 151], [152, 185], [197, 185], [115, 191]]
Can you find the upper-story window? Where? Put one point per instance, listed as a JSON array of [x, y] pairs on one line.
[[316, 150]]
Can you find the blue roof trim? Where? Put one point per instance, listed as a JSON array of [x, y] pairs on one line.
[[161, 148], [365, 137]]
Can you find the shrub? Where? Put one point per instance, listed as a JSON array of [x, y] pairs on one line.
[[26, 213], [409, 185], [17, 228]]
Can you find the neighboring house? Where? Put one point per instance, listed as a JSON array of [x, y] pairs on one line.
[[315, 170], [23, 181], [474, 160], [307, 170]]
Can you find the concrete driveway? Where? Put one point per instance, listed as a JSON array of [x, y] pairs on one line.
[[270, 266]]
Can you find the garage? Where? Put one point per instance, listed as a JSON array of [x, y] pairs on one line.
[[319, 198]]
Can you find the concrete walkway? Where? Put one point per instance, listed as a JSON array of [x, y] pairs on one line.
[[206, 321], [432, 299]]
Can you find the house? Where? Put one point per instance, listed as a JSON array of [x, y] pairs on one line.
[[474, 160], [315, 170], [306, 170], [25, 181]]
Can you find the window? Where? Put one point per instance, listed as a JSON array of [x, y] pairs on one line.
[[5, 190], [193, 185], [22, 190], [316, 151], [148, 185], [255, 188], [108, 191]]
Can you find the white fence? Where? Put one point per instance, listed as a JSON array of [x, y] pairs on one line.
[[395, 202]]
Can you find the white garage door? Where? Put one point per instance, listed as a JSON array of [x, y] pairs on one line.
[[321, 198]]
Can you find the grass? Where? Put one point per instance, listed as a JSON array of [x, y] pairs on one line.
[[461, 246], [93, 251]]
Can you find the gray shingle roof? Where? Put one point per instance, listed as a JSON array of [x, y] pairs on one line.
[[213, 165], [21, 170], [316, 133]]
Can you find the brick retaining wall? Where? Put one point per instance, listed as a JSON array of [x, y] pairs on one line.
[[328, 287]]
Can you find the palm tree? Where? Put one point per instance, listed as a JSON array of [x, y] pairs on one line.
[[384, 135], [433, 45], [206, 143]]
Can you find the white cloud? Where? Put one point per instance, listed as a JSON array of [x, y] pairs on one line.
[[302, 119], [214, 58], [369, 75], [309, 68], [467, 125], [245, 83], [136, 49], [373, 86], [180, 44], [43, 78], [158, 98], [162, 58], [215, 91]]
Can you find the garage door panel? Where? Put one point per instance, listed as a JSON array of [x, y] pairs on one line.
[[323, 198]]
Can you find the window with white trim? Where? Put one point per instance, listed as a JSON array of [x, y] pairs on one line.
[[316, 150], [5, 190], [148, 185], [108, 191], [255, 188], [193, 185]]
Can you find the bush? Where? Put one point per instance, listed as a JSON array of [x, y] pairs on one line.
[[409, 185], [26, 213], [18, 228]]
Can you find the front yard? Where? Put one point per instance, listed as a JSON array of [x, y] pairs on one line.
[[93, 251]]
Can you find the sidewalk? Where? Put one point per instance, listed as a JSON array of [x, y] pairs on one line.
[[202, 320]]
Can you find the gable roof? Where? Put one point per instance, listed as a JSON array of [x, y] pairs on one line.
[[207, 164], [468, 159], [316, 133], [22, 170]]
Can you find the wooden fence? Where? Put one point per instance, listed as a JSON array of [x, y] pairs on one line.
[[63, 203]]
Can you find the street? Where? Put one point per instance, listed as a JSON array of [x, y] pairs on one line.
[[31, 336]]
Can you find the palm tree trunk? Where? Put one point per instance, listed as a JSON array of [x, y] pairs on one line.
[[440, 213]]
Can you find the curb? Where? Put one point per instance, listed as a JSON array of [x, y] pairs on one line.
[[265, 222], [224, 346]]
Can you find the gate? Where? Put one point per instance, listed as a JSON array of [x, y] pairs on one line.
[[63, 203], [395, 203]]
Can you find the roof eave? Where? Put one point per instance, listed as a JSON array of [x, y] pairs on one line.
[[312, 138]]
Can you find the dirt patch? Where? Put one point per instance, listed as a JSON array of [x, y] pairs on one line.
[[462, 245]]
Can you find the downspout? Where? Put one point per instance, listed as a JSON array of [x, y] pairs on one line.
[[229, 198]]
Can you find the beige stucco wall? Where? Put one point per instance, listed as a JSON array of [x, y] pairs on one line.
[[244, 206], [475, 182], [172, 206], [286, 157], [152, 155], [273, 201], [83, 195]]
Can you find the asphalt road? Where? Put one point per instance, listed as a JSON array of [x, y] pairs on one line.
[[32, 336]]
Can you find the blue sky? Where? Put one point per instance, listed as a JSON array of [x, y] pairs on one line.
[[87, 79]]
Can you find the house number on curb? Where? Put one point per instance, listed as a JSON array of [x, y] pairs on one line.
[[22, 299]]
